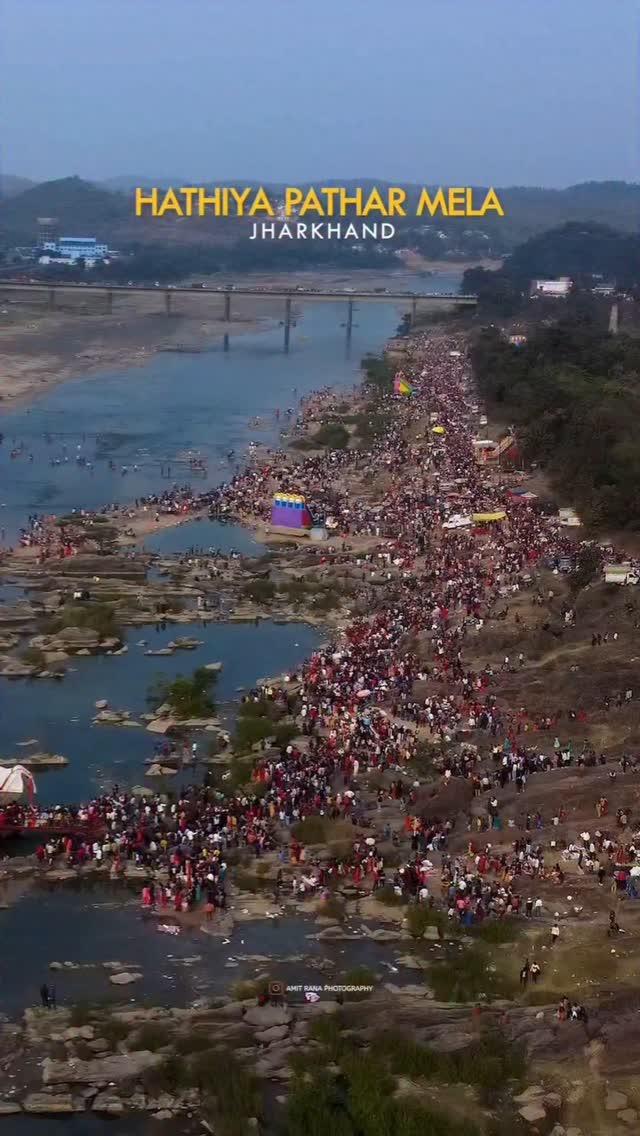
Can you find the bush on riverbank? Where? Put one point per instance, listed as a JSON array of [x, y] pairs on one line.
[[332, 435], [187, 697], [489, 1064], [468, 976], [419, 917], [497, 930], [359, 976], [230, 1094], [260, 720], [388, 895], [351, 1088], [98, 617], [246, 989], [259, 591], [322, 597], [311, 830], [33, 657], [333, 907], [378, 372], [250, 731], [361, 1101]]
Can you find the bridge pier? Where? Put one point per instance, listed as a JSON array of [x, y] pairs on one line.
[[614, 319], [287, 322], [227, 307], [51, 300], [167, 302], [109, 303]]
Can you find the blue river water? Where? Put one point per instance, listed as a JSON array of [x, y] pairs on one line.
[[152, 417], [57, 716], [148, 419]]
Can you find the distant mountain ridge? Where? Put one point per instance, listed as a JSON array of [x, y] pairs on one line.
[[106, 210], [10, 184]]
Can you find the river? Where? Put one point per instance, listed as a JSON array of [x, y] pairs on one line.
[[148, 417]]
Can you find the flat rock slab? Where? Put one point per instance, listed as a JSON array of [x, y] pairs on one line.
[[628, 1115], [529, 1094], [385, 935], [615, 1101], [337, 935], [532, 1112], [9, 1108], [46, 1103], [273, 1033], [411, 990], [119, 1067]]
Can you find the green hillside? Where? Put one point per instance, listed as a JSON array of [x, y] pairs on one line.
[[81, 208]]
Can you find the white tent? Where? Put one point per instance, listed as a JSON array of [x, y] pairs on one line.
[[15, 782]]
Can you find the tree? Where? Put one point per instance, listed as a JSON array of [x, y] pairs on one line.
[[187, 697]]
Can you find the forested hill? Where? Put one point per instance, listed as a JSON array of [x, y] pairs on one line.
[[80, 208], [579, 250], [586, 252], [573, 392]]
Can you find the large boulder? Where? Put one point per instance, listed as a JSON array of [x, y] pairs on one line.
[[114, 718], [125, 978], [74, 639]]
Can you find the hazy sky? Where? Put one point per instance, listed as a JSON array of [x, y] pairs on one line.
[[537, 92]]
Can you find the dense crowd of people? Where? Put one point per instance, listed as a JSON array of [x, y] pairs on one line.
[[357, 706]]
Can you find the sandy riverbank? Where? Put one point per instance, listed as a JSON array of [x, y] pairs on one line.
[[40, 349]]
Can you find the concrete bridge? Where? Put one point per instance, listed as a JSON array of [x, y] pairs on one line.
[[50, 290]]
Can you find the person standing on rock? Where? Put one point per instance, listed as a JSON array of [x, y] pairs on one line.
[[44, 996]]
